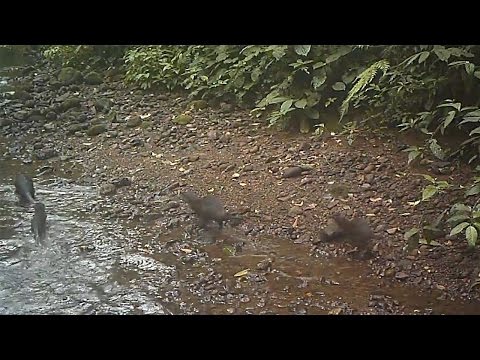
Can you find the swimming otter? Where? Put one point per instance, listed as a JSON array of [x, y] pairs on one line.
[[208, 208], [39, 222], [24, 189]]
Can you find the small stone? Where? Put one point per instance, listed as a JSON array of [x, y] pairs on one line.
[[295, 210], [292, 172], [108, 189], [183, 119], [96, 129], [401, 275], [134, 121]]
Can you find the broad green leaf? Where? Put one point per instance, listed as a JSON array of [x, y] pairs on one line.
[[472, 159], [477, 74], [442, 53], [412, 155], [411, 233], [412, 59], [338, 54], [455, 63], [472, 113], [459, 228], [475, 131], [442, 184], [436, 150], [423, 56], [300, 104], [279, 51], [469, 68], [456, 105], [338, 86], [318, 65], [277, 100], [410, 148], [287, 104], [255, 74], [429, 178], [472, 235], [428, 192], [319, 80], [448, 119], [460, 207], [458, 218], [302, 50], [470, 119], [474, 190]]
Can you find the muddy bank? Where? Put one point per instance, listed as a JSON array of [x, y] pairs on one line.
[[140, 150]]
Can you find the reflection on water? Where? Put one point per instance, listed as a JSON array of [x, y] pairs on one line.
[[82, 267]]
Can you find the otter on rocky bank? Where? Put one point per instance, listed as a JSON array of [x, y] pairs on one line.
[[356, 231], [208, 208]]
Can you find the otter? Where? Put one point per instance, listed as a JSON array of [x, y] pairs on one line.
[[356, 231], [208, 208], [24, 189], [39, 222]]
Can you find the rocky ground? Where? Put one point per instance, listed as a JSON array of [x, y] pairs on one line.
[[143, 149]]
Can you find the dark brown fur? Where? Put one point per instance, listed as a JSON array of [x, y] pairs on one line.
[[24, 189], [208, 208], [356, 231], [39, 222]]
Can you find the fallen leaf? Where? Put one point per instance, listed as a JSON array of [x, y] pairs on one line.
[[310, 207], [295, 223], [187, 251], [242, 273], [392, 231]]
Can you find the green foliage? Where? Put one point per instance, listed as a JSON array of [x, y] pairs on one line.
[[84, 56], [361, 81], [11, 55], [435, 187], [431, 89], [464, 218]]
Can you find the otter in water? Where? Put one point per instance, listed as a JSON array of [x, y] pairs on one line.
[[357, 232], [39, 222], [24, 189], [208, 208]]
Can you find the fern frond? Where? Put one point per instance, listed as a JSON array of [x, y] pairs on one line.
[[361, 81]]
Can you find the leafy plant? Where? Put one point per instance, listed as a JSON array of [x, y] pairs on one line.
[[466, 219], [84, 56], [435, 187]]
